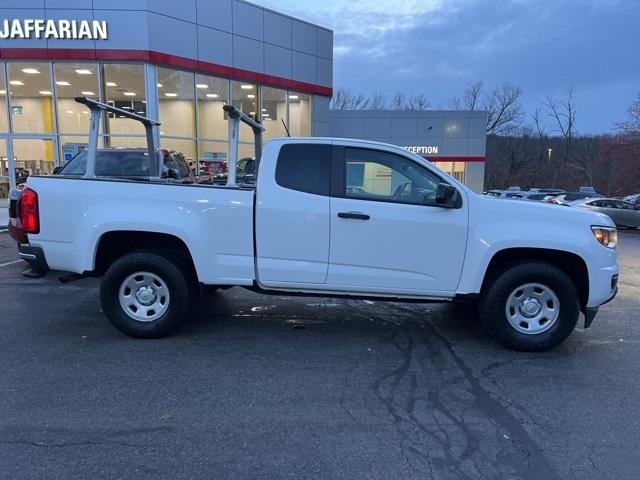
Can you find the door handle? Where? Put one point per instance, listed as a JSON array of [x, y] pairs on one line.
[[354, 215]]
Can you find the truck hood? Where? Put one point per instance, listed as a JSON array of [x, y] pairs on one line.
[[540, 212]]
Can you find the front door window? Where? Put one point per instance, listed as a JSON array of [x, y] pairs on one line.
[[386, 177]]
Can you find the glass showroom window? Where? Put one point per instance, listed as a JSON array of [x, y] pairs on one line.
[[123, 86], [176, 103], [74, 80], [212, 93], [31, 95], [4, 120], [274, 112], [245, 97], [299, 114], [71, 145]]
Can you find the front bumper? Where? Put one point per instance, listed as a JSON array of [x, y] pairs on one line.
[[591, 312], [34, 256]]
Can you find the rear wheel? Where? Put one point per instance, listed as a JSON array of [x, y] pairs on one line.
[[146, 295], [530, 306]]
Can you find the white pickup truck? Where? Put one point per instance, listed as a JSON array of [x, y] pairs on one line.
[[326, 217]]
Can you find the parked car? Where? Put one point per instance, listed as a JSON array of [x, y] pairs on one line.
[[568, 197], [245, 173], [301, 231], [624, 214], [511, 192], [635, 198], [537, 196], [129, 162], [556, 191]]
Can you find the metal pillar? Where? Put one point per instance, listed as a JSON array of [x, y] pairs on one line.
[[235, 117], [155, 161]]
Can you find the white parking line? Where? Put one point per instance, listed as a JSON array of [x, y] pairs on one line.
[[9, 263]]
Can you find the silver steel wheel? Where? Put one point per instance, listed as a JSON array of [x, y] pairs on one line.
[[532, 308], [144, 296]]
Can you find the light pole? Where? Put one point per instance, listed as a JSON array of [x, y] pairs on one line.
[[549, 150]]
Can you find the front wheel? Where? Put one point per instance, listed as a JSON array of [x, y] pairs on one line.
[[530, 306], [146, 295]]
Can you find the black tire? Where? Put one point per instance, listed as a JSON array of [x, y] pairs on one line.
[[493, 304], [178, 281]]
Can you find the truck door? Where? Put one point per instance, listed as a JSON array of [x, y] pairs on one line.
[[387, 234], [292, 215]]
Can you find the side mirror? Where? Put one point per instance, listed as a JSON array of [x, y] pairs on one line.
[[56, 170], [447, 196]]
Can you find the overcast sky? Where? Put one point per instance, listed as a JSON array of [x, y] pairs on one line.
[[436, 47]]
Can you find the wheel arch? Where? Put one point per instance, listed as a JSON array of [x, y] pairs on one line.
[[114, 244], [572, 264]]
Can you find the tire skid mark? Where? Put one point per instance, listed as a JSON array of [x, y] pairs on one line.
[[447, 424]]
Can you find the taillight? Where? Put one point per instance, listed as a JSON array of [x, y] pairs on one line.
[[29, 211]]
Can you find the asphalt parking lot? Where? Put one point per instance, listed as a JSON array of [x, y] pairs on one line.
[[266, 387]]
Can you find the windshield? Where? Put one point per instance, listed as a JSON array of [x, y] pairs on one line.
[[130, 163], [246, 166]]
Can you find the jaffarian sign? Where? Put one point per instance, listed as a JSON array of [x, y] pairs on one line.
[[62, 29], [423, 150]]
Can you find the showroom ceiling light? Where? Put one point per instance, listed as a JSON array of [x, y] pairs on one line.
[[16, 82], [45, 92], [83, 71], [212, 95], [160, 85], [69, 111], [62, 83], [202, 86], [31, 71], [88, 93], [2, 92], [129, 94], [251, 96], [171, 95], [246, 87], [293, 97], [112, 84]]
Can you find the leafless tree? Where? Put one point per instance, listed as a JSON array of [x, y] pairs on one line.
[[377, 102], [631, 125], [417, 102], [472, 95], [344, 99], [399, 101], [563, 113], [503, 107]]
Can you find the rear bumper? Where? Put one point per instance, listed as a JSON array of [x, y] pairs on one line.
[[34, 256]]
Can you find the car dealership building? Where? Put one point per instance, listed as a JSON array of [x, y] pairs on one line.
[[179, 62]]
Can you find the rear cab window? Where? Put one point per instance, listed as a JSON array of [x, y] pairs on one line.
[[305, 167]]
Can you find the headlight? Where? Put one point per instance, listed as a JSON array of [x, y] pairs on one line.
[[607, 236]]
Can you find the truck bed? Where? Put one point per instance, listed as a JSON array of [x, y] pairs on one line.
[[215, 222]]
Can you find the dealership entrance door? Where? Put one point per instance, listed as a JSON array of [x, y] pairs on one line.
[[22, 155]]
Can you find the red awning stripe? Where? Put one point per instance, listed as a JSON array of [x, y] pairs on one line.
[[457, 159], [162, 59]]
